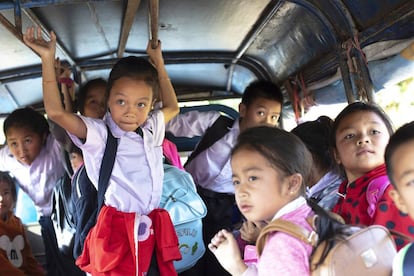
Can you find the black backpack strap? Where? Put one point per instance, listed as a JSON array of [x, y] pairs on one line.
[[214, 133], [107, 165]]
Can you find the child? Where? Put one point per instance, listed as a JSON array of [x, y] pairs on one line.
[[92, 98], [261, 104], [15, 253], [399, 159], [269, 181], [360, 134], [326, 180], [122, 240], [33, 156]]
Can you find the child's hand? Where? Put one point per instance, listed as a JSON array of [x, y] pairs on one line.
[[250, 230], [34, 39], [225, 248], [155, 54], [62, 70]]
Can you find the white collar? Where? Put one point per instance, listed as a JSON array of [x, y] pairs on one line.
[[291, 206]]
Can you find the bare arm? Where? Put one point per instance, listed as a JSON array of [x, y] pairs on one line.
[[225, 248], [51, 95], [170, 106]]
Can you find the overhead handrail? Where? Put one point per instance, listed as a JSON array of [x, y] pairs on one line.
[[153, 6], [131, 10]]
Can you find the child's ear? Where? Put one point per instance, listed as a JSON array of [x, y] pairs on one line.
[[295, 183], [398, 200], [242, 110], [336, 156]]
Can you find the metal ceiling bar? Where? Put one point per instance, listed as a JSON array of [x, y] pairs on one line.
[[77, 73], [153, 20], [131, 10], [11, 28], [9, 5], [45, 31], [10, 94], [18, 16]]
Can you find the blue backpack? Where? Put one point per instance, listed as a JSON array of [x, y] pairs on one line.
[[186, 208]]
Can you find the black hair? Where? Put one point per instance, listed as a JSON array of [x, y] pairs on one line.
[[357, 107], [282, 149], [27, 118], [85, 89], [315, 134], [262, 89], [351, 109], [6, 177], [136, 68], [403, 135]]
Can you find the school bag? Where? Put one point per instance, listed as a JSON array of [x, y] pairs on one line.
[[88, 201], [362, 251], [186, 209], [62, 215]]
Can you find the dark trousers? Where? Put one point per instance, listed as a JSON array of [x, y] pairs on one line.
[[57, 263], [219, 216]]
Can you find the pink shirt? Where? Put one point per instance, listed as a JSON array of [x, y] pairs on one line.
[[38, 179], [136, 181], [284, 254]]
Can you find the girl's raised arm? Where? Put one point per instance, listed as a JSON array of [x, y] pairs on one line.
[[170, 106], [51, 94]]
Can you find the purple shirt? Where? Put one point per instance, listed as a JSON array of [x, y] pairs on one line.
[[38, 179], [136, 181], [211, 168]]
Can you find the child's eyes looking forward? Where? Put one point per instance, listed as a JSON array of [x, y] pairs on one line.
[[120, 102], [349, 136]]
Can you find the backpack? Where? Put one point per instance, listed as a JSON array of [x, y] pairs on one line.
[[186, 208], [363, 251], [214, 133], [62, 215], [86, 199]]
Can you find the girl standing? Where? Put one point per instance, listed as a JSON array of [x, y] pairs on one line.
[[127, 227], [360, 135], [269, 182]]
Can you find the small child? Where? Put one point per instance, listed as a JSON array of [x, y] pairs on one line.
[[269, 183], [399, 159], [360, 134], [16, 256], [323, 189], [129, 224]]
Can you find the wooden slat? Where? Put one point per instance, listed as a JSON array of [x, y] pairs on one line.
[[129, 16]]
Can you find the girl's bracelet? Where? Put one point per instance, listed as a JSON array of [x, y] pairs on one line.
[[48, 81]]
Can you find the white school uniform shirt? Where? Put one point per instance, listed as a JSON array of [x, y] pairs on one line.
[[211, 168], [136, 181], [38, 179]]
